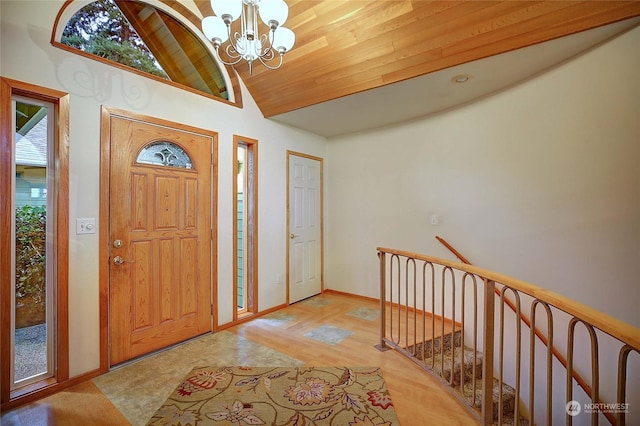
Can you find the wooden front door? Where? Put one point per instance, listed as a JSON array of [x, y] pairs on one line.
[[159, 236]]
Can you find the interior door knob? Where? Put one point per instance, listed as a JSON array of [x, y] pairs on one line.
[[292, 236]]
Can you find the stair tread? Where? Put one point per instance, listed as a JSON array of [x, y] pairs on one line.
[[441, 365]]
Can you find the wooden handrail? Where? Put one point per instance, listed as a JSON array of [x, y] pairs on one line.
[[453, 250], [606, 323], [576, 376]]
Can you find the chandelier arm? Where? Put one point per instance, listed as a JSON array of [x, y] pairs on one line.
[[271, 36], [230, 50], [232, 47], [231, 63], [268, 55], [266, 65], [269, 52]]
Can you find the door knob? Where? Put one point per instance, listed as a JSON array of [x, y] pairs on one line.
[[292, 236], [118, 260]]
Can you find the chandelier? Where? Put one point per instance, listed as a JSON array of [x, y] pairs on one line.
[[249, 44]]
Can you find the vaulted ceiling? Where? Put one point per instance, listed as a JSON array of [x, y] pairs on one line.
[[348, 47]]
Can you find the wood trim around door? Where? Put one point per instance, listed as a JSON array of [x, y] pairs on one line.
[[105, 138], [321, 160]]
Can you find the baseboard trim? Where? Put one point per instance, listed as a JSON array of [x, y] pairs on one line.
[[47, 391]]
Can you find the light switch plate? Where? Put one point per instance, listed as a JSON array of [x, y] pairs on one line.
[[86, 225]]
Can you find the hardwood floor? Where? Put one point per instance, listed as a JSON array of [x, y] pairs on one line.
[[330, 329], [80, 405]]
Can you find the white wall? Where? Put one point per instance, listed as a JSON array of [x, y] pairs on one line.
[[27, 55], [539, 182]]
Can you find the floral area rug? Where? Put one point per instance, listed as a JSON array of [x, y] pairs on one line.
[[338, 396]]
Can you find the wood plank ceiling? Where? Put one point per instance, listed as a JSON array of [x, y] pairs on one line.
[[345, 47]]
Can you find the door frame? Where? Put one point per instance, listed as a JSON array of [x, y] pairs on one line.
[[105, 156], [321, 161]]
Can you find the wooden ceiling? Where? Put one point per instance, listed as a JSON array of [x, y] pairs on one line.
[[345, 47]]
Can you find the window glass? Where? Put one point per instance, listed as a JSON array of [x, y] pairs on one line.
[[165, 153], [138, 35], [33, 316], [245, 226]]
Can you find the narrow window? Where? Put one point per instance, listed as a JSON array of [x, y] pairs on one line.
[[34, 273], [33, 319], [245, 226]]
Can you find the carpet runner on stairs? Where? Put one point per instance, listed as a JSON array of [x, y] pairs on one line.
[[445, 362]]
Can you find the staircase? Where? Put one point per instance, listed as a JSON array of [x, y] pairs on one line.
[[458, 365], [419, 291]]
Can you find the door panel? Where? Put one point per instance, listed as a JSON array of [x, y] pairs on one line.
[[305, 227], [160, 285]]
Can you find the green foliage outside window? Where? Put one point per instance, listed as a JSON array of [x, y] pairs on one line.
[[101, 29], [31, 268]]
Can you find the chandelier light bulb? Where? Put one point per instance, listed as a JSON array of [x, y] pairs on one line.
[[215, 29], [283, 39], [231, 8], [273, 12]]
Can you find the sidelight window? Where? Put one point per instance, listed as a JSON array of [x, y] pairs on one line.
[[245, 226], [35, 219], [33, 314]]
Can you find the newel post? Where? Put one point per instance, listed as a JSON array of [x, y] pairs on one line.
[[383, 312], [487, 360]]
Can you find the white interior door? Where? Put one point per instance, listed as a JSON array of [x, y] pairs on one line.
[[305, 227]]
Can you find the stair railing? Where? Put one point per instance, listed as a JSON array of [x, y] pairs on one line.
[[538, 333], [425, 303]]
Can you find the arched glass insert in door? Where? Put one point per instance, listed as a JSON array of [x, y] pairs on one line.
[[165, 153]]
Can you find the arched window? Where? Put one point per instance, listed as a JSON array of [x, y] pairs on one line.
[[145, 38]]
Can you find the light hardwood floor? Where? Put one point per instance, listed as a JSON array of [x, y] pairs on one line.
[[418, 398]]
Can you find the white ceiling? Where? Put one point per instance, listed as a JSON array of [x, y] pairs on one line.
[[435, 92]]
